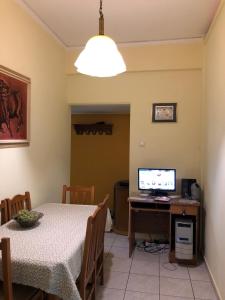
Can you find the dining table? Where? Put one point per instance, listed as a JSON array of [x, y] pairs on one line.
[[48, 256]]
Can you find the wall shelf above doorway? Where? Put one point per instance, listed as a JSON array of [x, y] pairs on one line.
[[97, 128]]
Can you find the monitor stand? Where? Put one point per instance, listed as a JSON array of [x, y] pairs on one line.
[[158, 193], [144, 194], [155, 193]]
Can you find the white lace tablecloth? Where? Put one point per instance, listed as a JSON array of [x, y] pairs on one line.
[[49, 255]]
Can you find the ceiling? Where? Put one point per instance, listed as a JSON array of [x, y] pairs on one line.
[[73, 22]]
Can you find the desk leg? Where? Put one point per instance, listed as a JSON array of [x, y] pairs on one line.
[[131, 232]]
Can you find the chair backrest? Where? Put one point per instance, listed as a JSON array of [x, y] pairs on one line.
[[94, 242], [87, 273], [100, 226], [17, 203], [6, 268], [4, 212], [79, 194]]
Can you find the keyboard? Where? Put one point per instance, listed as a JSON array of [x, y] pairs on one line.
[[162, 198]]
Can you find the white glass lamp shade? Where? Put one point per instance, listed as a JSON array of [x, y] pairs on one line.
[[100, 58]]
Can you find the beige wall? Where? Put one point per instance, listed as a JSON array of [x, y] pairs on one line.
[[101, 160], [214, 172], [164, 56], [43, 166], [157, 73], [166, 145]]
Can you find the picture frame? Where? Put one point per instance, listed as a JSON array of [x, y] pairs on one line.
[[14, 107], [164, 112]]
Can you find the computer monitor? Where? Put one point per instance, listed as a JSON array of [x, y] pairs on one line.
[[156, 181]]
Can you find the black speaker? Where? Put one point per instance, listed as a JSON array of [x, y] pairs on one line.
[[186, 187]]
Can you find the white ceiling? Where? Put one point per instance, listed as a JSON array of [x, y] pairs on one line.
[[73, 22]]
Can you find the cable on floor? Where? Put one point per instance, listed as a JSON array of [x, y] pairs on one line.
[[152, 247], [169, 266], [156, 248]]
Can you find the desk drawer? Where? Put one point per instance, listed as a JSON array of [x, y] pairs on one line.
[[184, 209]]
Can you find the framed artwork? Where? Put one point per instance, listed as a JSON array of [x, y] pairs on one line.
[[14, 107], [164, 112]]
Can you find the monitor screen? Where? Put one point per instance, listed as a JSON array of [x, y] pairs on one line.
[[163, 180]]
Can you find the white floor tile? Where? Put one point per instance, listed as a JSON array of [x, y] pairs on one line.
[[162, 297], [150, 274], [111, 234], [121, 241], [164, 257], [119, 252], [140, 296], [199, 273], [117, 264], [173, 270], [175, 287], [121, 237], [106, 249], [116, 280], [108, 241], [142, 255], [145, 267], [143, 283], [204, 290], [109, 294]]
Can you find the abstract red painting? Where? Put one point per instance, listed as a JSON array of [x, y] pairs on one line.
[[14, 107]]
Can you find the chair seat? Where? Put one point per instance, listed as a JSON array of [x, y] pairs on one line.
[[20, 292]]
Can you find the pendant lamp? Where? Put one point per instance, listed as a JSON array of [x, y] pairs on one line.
[[100, 57]]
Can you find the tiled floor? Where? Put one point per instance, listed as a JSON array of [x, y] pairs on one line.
[[148, 276]]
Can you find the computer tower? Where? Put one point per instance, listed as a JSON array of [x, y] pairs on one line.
[[183, 239], [186, 187]]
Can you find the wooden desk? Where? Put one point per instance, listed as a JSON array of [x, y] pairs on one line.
[[149, 216]]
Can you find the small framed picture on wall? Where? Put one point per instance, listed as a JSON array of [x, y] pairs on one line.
[[164, 112]]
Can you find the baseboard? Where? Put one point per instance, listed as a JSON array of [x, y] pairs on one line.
[[213, 280]]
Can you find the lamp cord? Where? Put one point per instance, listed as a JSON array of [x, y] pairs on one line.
[[100, 9], [101, 20]]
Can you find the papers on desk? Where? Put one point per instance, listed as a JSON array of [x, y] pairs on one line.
[[150, 199], [156, 198], [137, 198], [162, 198]]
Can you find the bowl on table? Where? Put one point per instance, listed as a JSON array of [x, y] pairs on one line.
[[27, 218]]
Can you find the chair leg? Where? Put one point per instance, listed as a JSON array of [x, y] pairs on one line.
[[101, 263], [94, 285], [93, 295], [102, 277], [81, 289]]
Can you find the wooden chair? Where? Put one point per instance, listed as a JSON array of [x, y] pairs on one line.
[[4, 212], [17, 203], [9, 291], [79, 194], [92, 263], [86, 282], [100, 232]]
